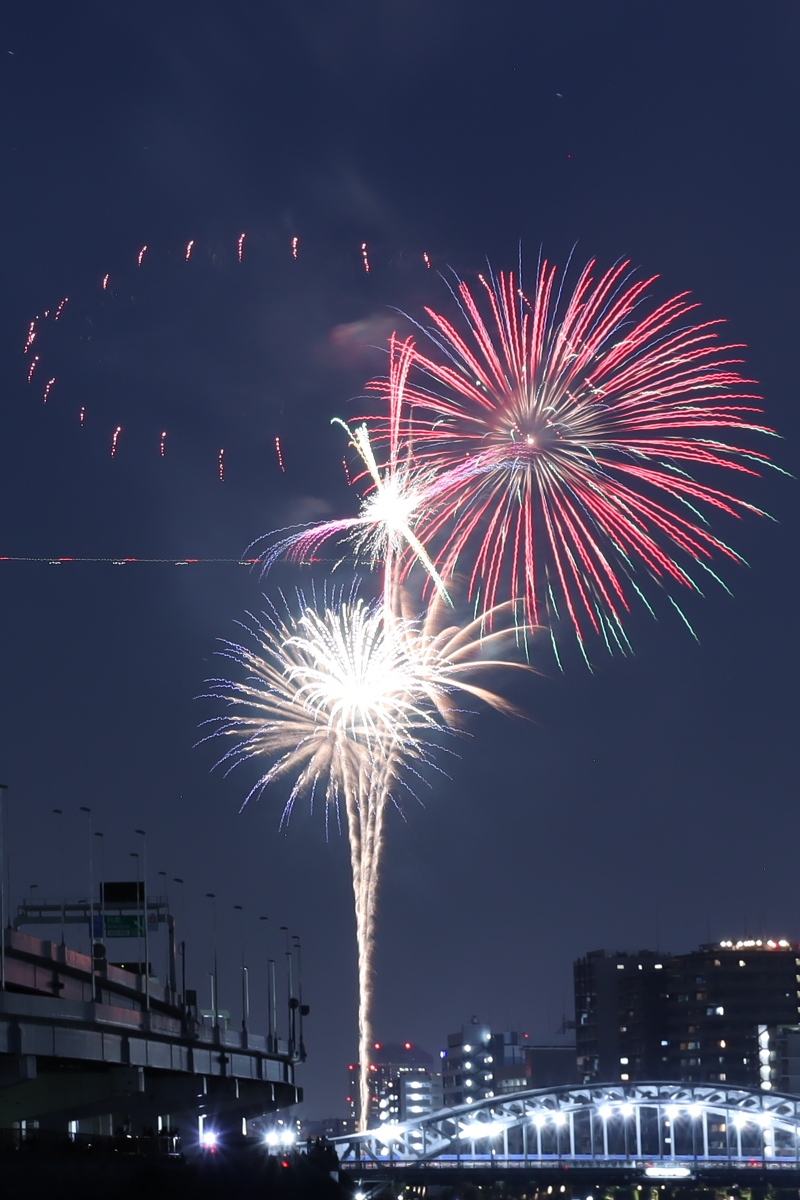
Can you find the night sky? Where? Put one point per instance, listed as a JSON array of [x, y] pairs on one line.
[[650, 802]]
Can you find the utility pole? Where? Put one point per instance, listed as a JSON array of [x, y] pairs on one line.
[[3, 790], [88, 811]]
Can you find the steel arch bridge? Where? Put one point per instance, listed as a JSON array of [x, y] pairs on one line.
[[667, 1130]]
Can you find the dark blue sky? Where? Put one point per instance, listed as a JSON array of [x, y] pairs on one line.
[[652, 799]]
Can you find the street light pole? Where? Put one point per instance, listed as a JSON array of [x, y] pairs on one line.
[[3, 790], [102, 886], [213, 897], [177, 879], [301, 1007], [271, 1034], [60, 814], [245, 977], [88, 811], [143, 836], [285, 929]]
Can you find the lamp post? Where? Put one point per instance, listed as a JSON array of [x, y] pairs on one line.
[[85, 809], [135, 854], [302, 1009], [212, 896], [245, 975], [143, 836], [272, 1036], [62, 885], [102, 844], [3, 790], [177, 879], [285, 929]]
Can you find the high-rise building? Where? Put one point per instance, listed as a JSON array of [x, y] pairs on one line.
[[619, 1015], [690, 1017], [468, 1065], [718, 996], [403, 1083], [479, 1064]]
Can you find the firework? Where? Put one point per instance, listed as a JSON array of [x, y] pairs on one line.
[[397, 492], [343, 704], [566, 435]]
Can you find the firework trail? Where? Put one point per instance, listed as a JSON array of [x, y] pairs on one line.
[[565, 434], [343, 701], [396, 493]]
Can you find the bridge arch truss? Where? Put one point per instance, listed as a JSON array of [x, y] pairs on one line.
[[654, 1123]]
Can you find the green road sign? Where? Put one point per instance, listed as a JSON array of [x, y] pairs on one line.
[[119, 926]]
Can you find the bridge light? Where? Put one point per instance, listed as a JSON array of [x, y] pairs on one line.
[[605, 1111], [559, 1118], [667, 1172], [539, 1119], [627, 1110], [740, 1120], [672, 1111], [695, 1110]]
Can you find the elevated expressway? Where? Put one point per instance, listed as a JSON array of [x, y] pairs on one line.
[[582, 1136], [93, 1047]]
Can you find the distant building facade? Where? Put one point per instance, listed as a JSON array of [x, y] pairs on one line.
[[479, 1064], [403, 1084], [695, 1017]]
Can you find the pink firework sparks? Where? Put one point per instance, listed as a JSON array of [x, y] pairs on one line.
[[105, 282], [48, 389], [365, 257], [163, 445], [115, 441], [221, 466], [82, 416], [60, 308], [31, 338], [570, 432], [34, 363], [240, 246], [295, 247], [140, 256], [426, 258], [279, 453], [189, 248]]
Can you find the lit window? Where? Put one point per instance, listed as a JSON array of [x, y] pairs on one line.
[[624, 1062], [625, 1078], [620, 966]]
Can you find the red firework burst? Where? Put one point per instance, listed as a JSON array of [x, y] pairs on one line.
[[567, 435]]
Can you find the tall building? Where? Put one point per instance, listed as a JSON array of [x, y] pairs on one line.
[[718, 997], [619, 1002], [403, 1083], [689, 1017], [478, 1064], [467, 1065]]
